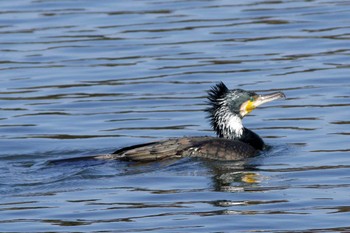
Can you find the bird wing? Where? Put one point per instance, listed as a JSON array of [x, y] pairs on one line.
[[204, 147], [170, 148], [221, 149]]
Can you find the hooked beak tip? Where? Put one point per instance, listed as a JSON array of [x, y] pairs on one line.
[[282, 95]]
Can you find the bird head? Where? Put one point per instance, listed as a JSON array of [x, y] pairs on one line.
[[228, 107], [238, 101]]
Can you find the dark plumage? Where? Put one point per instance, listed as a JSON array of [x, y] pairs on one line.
[[225, 112]]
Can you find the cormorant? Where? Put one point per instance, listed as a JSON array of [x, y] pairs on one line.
[[225, 112]]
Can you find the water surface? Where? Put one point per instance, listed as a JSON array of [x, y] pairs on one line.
[[87, 77]]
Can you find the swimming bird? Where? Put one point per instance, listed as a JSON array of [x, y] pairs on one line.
[[226, 110]]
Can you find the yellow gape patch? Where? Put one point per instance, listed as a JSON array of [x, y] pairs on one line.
[[250, 106], [247, 107]]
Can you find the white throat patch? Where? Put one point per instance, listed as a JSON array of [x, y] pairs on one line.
[[229, 124], [235, 126]]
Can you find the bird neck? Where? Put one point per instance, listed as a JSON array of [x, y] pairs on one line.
[[227, 124], [252, 139]]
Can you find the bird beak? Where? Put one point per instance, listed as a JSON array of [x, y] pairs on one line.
[[258, 100], [261, 99]]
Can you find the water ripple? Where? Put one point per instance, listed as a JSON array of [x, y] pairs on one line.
[[82, 78]]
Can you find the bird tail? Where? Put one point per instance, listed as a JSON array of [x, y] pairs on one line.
[[101, 157]]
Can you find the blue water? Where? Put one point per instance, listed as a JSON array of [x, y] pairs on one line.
[[81, 78]]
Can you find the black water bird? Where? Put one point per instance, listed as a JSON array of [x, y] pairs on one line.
[[226, 110]]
